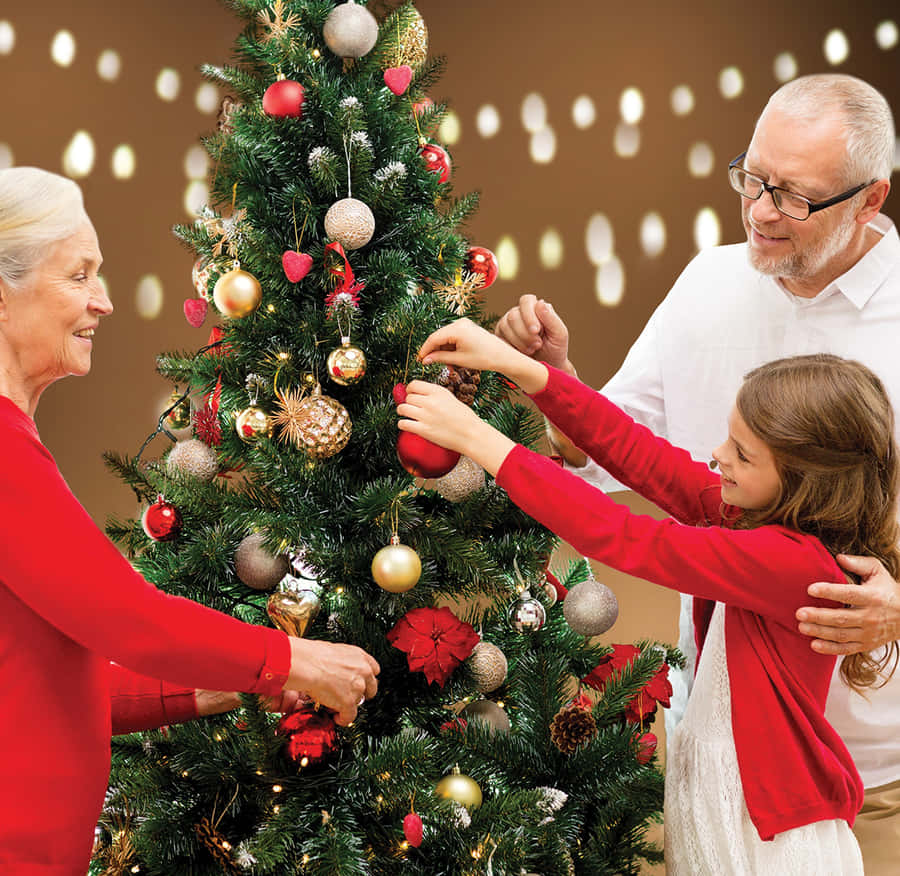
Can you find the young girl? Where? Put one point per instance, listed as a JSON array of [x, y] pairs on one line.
[[757, 781]]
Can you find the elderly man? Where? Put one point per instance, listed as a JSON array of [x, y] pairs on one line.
[[819, 272]]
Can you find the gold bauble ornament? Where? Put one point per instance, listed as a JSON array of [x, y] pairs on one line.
[[461, 481], [237, 293], [316, 423], [350, 30], [194, 458], [252, 423], [488, 665], [256, 566], [461, 788], [180, 415], [350, 222], [489, 713], [292, 611], [397, 567], [346, 364]]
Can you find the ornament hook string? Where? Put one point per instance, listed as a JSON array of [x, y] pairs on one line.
[[347, 154], [305, 218], [408, 351]]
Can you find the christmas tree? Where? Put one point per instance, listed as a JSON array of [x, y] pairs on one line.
[[331, 249]]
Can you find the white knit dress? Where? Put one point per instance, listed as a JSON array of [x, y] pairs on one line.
[[708, 831]]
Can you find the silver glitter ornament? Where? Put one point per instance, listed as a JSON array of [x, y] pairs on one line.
[[194, 458], [256, 566], [489, 713], [590, 608]]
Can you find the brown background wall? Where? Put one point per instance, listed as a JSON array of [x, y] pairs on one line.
[[498, 52]]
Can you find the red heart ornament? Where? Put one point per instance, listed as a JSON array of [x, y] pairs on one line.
[[195, 311], [296, 265], [398, 78], [399, 393]]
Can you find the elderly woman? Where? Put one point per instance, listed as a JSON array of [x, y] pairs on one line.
[[104, 665]]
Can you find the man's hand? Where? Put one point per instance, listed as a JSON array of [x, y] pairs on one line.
[[534, 328], [870, 619]]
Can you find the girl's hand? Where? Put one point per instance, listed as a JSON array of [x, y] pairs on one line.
[[465, 344], [434, 413]]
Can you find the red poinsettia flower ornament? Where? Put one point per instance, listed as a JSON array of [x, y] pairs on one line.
[[435, 640], [657, 691]]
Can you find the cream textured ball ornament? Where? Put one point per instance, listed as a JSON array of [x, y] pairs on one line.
[[465, 478], [350, 222], [350, 30], [590, 608], [488, 712], [488, 665], [194, 458], [256, 566]]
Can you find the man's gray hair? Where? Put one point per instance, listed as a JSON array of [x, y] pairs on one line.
[[866, 117]]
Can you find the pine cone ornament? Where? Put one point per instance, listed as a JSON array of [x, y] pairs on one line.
[[573, 725], [462, 382], [217, 846]]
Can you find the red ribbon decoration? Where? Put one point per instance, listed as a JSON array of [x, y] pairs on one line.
[[349, 286]]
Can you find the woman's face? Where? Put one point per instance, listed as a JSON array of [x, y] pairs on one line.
[[49, 321]]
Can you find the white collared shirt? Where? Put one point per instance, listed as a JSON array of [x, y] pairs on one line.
[[721, 319]]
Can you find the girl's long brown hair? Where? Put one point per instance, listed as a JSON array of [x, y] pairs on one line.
[[829, 424]]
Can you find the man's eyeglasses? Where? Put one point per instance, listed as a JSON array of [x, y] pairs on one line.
[[792, 205]]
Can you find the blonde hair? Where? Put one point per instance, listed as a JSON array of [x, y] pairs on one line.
[[866, 117], [37, 209], [830, 426]]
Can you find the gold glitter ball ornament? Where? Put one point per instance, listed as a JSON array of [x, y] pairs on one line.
[[465, 478], [397, 567], [315, 423], [252, 423], [461, 788], [350, 222], [412, 46], [488, 665], [346, 364], [256, 566], [237, 293], [350, 30], [194, 458]]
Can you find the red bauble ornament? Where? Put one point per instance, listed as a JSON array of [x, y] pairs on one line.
[[436, 160], [296, 265], [412, 829], [480, 260], [161, 521], [420, 106], [646, 747], [424, 458], [399, 393], [312, 735], [284, 99], [398, 78]]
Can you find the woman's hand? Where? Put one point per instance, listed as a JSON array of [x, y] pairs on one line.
[[436, 414], [335, 675], [468, 345]]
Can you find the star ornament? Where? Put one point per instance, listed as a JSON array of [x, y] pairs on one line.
[[462, 294], [290, 416], [277, 24], [435, 640]]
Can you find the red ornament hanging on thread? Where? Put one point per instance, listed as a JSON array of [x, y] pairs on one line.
[[161, 521], [284, 99], [436, 160], [311, 734], [482, 262]]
